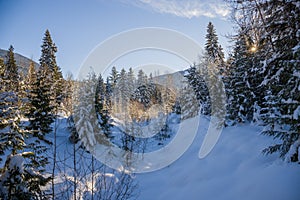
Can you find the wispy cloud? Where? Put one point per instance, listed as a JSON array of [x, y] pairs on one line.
[[185, 8]]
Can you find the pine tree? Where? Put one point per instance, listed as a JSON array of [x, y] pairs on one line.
[[100, 94], [48, 59], [189, 103], [101, 106], [49, 49], [85, 112], [40, 117], [168, 95], [213, 50], [195, 78], [271, 28], [41, 112], [113, 78], [239, 91], [141, 78], [12, 134], [123, 91], [108, 95], [282, 79], [252, 27], [131, 81], [213, 70], [16, 178], [11, 70]]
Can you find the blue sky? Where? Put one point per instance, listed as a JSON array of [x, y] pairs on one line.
[[78, 26]]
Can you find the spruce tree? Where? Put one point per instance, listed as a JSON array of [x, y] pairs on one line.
[[213, 50], [12, 134], [271, 28], [48, 59], [18, 179], [48, 51], [108, 95], [195, 78], [11, 70], [131, 81], [41, 111], [40, 115], [282, 79], [141, 78], [213, 69], [189, 104], [85, 117], [239, 91], [113, 78], [101, 106]]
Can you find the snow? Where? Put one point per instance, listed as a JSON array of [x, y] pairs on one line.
[[296, 113], [16, 162], [235, 168], [14, 165], [295, 148]]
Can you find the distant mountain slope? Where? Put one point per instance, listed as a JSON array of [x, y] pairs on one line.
[[21, 61], [174, 80]]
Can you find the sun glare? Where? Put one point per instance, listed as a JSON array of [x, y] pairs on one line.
[[253, 49]]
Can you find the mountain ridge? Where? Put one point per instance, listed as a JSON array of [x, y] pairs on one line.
[[22, 61]]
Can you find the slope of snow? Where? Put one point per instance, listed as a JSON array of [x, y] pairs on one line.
[[235, 169]]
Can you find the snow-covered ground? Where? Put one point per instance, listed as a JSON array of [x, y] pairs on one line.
[[235, 169]]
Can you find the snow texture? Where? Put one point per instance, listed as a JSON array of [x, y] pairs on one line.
[[235, 169]]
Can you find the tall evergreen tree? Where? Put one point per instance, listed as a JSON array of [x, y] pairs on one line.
[[271, 28], [48, 59], [282, 79], [41, 111], [131, 81], [12, 134], [11, 70], [17, 180], [123, 91], [40, 117], [141, 78], [101, 106], [239, 91], [212, 66], [49, 49], [108, 95], [195, 78], [213, 50], [85, 119], [113, 78]]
